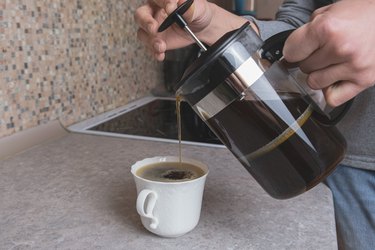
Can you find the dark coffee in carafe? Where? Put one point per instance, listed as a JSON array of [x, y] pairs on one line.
[[285, 159]]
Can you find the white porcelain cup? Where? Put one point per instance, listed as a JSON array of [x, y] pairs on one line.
[[169, 209]]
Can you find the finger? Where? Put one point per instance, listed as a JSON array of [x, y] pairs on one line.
[[168, 5], [155, 44], [159, 56], [341, 92], [336, 73], [159, 46], [318, 60], [328, 76], [319, 11], [189, 14], [144, 17], [301, 43]]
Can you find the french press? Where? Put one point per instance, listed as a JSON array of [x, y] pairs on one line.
[[259, 106]]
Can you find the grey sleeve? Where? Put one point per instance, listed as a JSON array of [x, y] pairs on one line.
[[291, 15]]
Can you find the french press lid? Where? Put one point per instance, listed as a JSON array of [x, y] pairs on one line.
[[217, 63]]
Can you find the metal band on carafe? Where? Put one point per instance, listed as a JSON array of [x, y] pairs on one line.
[[232, 88]]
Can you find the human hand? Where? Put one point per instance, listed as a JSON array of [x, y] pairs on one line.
[[336, 49], [152, 14]]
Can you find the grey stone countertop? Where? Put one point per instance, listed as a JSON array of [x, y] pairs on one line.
[[77, 193]]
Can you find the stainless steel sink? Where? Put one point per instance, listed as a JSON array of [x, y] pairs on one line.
[[151, 118]]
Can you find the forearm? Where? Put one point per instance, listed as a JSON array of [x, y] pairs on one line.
[[222, 22]]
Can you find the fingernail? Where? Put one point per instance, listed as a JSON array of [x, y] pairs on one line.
[[159, 56], [157, 47], [170, 7]]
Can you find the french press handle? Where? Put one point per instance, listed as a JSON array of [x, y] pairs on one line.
[[272, 50]]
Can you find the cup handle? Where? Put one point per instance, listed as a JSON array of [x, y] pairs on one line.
[[145, 209]]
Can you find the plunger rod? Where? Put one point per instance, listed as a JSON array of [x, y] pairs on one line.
[[197, 41]]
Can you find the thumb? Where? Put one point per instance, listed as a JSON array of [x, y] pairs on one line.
[[301, 44], [170, 6]]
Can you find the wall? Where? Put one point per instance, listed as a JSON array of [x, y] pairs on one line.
[[69, 60]]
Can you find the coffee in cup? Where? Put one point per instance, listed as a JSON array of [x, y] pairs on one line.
[[170, 172]]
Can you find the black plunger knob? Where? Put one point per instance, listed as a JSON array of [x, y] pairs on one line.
[[176, 16]]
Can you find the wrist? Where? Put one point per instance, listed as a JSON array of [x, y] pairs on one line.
[[221, 22]]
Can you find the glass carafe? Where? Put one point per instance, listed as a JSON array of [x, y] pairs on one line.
[[261, 109]]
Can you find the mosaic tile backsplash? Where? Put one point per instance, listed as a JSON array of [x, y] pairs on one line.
[[69, 60]]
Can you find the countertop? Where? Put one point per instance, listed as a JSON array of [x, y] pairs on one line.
[[77, 192]]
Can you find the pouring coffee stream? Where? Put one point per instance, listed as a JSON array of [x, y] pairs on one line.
[[176, 17], [244, 91]]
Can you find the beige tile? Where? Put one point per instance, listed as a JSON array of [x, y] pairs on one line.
[[69, 60]]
